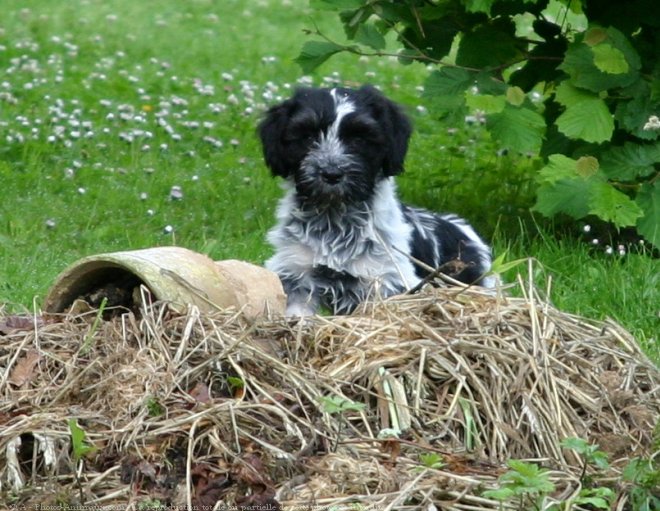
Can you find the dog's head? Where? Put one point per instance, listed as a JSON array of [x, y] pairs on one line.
[[335, 144]]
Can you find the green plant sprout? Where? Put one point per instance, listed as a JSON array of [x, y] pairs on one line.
[[643, 474], [432, 460], [525, 483], [339, 406], [80, 449], [590, 453], [89, 338]]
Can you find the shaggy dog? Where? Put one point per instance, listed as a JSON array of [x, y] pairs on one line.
[[342, 235]]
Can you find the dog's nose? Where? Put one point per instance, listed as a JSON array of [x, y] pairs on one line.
[[332, 175]]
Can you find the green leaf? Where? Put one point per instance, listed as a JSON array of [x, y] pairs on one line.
[[564, 196], [432, 460], [597, 502], [598, 459], [579, 445], [335, 5], [522, 468], [648, 200], [448, 81], [631, 161], [595, 35], [478, 5], [235, 383], [526, 478], [489, 45], [580, 63], [434, 37], [486, 103], [568, 95], [153, 406], [610, 205], [445, 91], [78, 441], [558, 167], [369, 35], [499, 266], [600, 497], [515, 95], [574, 7], [632, 114], [517, 128], [315, 53], [590, 452], [589, 120], [353, 20], [609, 59], [338, 404], [488, 83], [501, 494], [587, 166]]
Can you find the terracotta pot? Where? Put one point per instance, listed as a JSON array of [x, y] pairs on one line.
[[173, 274]]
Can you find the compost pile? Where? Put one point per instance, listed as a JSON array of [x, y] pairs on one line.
[[415, 402]]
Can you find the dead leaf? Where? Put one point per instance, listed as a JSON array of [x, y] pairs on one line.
[[128, 468], [12, 324], [209, 487], [200, 393], [264, 501], [393, 447], [250, 471], [23, 372], [147, 470]]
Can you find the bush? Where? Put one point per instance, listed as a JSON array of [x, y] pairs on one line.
[[575, 81]]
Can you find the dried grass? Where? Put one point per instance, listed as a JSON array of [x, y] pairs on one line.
[[477, 379]]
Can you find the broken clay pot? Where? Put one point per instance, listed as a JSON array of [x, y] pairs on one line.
[[172, 274]]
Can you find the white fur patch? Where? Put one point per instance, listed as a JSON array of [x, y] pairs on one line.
[[369, 244]]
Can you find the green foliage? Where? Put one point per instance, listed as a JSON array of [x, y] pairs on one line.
[[590, 452], [553, 77], [597, 498], [89, 338], [644, 476], [235, 383], [528, 485], [150, 504], [432, 460], [525, 483], [337, 405], [501, 265], [154, 407], [79, 444], [471, 433]]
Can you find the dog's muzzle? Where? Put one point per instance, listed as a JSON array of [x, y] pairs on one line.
[[332, 175], [329, 169]]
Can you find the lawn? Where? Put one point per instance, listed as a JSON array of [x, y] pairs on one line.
[[131, 124]]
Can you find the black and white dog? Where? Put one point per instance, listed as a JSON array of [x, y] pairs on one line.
[[342, 235]]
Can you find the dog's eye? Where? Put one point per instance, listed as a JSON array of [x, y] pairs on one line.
[[360, 129], [299, 136]]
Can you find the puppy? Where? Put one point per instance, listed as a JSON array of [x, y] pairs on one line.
[[342, 235]]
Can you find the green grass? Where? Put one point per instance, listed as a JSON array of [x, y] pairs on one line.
[[590, 282], [106, 105]]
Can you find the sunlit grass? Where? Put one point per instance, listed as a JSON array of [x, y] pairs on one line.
[[589, 281], [107, 106]]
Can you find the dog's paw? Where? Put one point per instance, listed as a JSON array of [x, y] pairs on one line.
[[299, 310]]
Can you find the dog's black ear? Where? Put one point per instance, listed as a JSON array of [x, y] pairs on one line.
[[270, 131], [396, 127]]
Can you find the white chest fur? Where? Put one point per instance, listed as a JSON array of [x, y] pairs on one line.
[[368, 242]]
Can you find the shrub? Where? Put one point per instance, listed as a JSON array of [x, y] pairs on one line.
[[575, 81]]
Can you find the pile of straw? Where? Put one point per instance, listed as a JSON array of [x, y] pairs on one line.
[[217, 411]]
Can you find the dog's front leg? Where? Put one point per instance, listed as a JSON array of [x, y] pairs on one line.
[[302, 299]]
